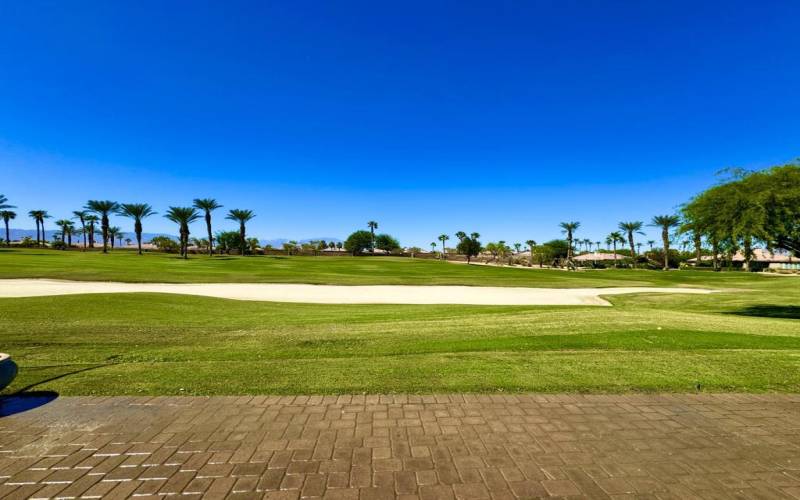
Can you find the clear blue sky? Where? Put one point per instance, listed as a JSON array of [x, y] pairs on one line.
[[498, 117]]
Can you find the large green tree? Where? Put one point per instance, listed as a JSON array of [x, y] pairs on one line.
[[468, 246], [358, 242]]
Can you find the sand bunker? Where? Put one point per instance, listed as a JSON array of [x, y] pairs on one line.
[[341, 294]]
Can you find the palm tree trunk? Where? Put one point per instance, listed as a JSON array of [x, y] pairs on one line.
[[615, 253], [104, 224], [665, 237], [38, 242], [633, 249], [210, 236], [137, 227], [8, 234], [242, 236]]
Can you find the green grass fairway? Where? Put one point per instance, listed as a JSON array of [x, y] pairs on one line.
[[746, 338], [127, 266]]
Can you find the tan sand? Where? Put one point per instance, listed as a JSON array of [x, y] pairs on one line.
[[340, 294]]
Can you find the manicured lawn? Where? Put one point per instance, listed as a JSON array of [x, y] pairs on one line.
[[746, 338], [125, 265]]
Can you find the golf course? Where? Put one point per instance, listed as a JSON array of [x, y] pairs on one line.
[[744, 337]]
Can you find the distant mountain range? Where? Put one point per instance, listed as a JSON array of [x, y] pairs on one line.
[[18, 234]]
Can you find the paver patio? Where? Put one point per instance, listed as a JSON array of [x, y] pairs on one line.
[[429, 447]]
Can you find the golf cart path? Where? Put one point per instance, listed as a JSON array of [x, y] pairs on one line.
[[341, 294]]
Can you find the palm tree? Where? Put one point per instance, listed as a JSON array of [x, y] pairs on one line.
[[433, 247], [81, 216], [587, 244], [612, 240], [651, 243], [64, 225], [4, 203], [474, 236], [39, 216], [443, 238], [531, 244], [103, 208], [91, 221], [208, 205], [372, 225], [461, 235], [629, 228], [137, 212], [517, 247], [183, 216], [7, 215], [597, 245], [665, 222], [639, 247], [242, 216], [569, 228], [114, 232]]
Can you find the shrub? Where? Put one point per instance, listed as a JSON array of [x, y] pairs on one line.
[[165, 244]]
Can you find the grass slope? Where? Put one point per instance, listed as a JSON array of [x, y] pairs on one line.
[[746, 339]]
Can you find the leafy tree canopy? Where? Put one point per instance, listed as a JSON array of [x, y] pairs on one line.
[[358, 242]]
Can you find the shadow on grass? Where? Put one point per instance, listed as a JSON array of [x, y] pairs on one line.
[[769, 311]]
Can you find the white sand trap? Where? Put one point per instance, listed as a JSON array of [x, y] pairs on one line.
[[341, 294]]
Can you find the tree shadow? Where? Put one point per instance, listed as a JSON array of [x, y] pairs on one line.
[[769, 311]]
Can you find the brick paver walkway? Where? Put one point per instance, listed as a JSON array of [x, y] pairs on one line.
[[430, 447]]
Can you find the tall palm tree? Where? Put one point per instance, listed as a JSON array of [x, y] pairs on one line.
[[665, 222], [81, 216], [91, 221], [443, 238], [103, 208], [569, 229], [33, 214], [461, 235], [183, 216], [613, 239], [7, 215], [639, 246], [242, 217], [207, 205], [474, 236], [64, 225], [587, 244], [629, 228], [372, 225], [39, 216], [597, 245], [651, 243], [137, 212], [113, 233]]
